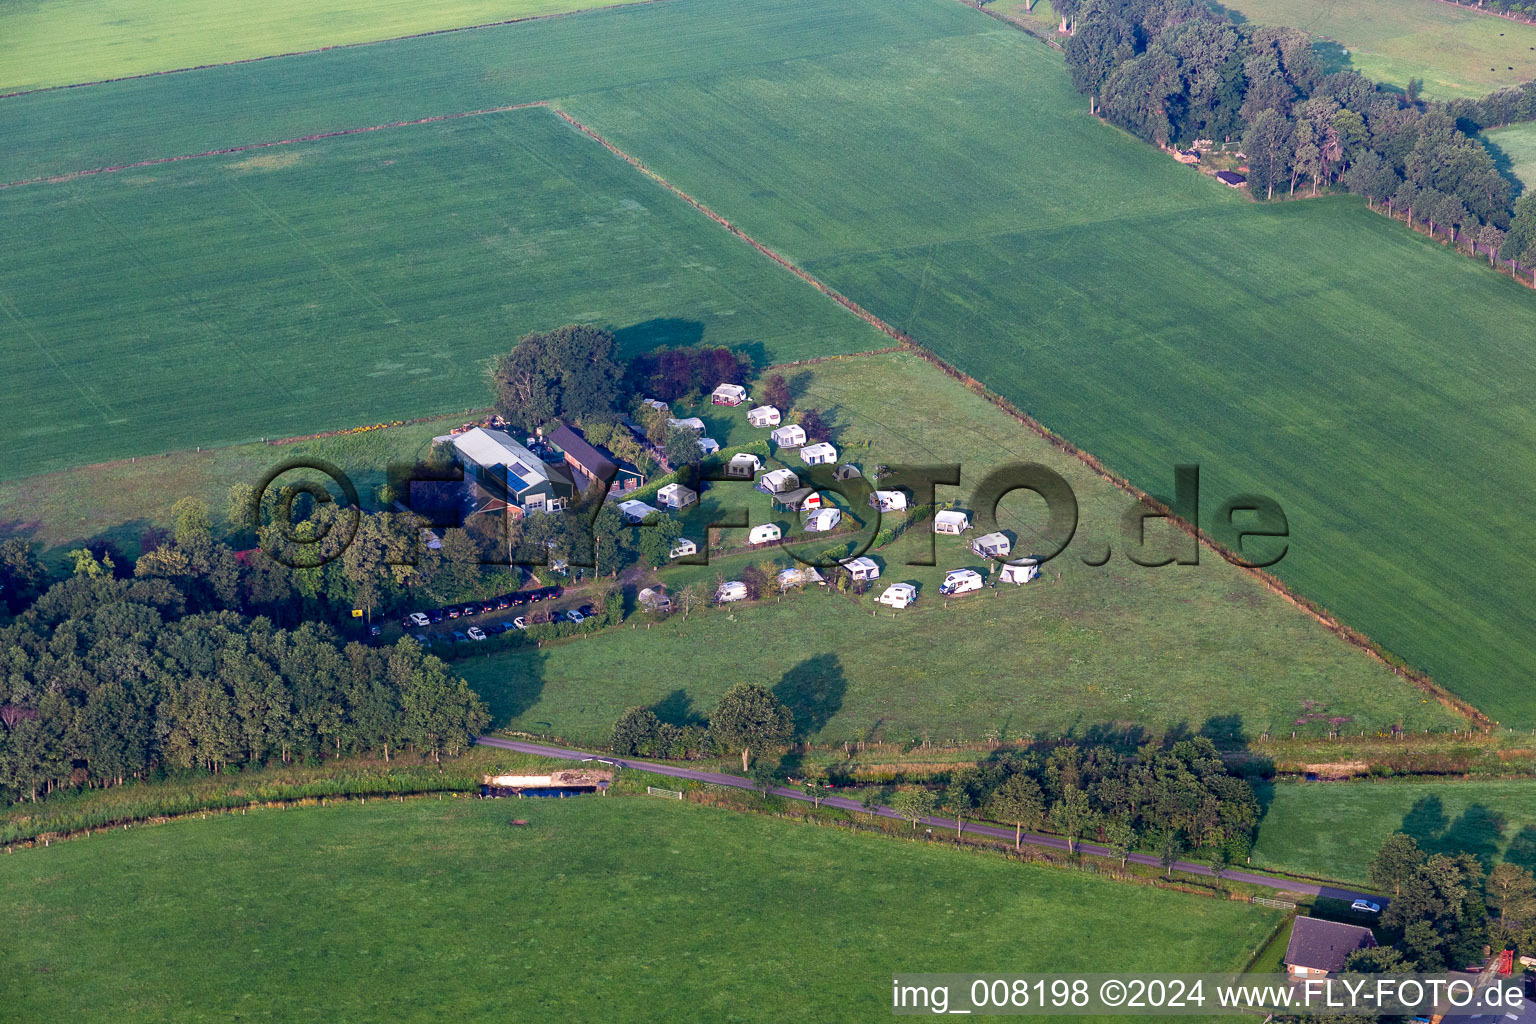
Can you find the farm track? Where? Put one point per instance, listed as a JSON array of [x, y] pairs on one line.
[[326, 49], [55, 179]]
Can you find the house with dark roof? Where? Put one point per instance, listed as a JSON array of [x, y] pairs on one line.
[[1319, 948], [502, 474], [1232, 179], [587, 462]]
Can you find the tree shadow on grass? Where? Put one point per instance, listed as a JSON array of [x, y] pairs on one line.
[[813, 690], [666, 331], [511, 683], [1478, 831], [676, 708], [1522, 849]]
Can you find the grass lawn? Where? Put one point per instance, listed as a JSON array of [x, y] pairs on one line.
[[47, 42], [1203, 646], [120, 500], [392, 267], [603, 908], [1456, 52], [1514, 149], [1315, 352], [71, 129], [1333, 829]]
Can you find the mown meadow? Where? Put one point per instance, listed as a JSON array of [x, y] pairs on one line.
[[1454, 51], [45, 43], [617, 908], [1333, 829]]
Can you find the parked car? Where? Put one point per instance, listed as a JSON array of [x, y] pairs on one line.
[[471, 609], [575, 616], [1365, 907], [476, 633], [503, 602], [375, 630], [587, 610], [435, 616], [459, 638], [453, 613], [488, 606], [519, 623], [417, 619]]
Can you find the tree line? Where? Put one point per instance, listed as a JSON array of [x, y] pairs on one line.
[[1445, 909], [1175, 71], [105, 679]]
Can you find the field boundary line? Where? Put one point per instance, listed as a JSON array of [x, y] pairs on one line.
[[328, 48], [55, 179], [1416, 677]]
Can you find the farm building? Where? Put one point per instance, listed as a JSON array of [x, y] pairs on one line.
[[683, 548], [1319, 948], [765, 534], [636, 511], [654, 599], [899, 595], [1187, 156], [1232, 179], [888, 501], [862, 568], [708, 445], [951, 522], [690, 423], [818, 454], [676, 496], [822, 520], [763, 416], [744, 465], [992, 545], [507, 475], [728, 394], [805, 575], [801, 499], [791, 435], [588, 464], [778, 481], [731, 590], [847, 471], [1019, 573]]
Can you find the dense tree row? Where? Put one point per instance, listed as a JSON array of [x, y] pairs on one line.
[[1174, 71], [669, 374], [1176, 798], [104, 679], [1446, 909]]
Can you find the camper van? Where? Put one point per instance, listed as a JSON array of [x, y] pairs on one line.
[[734, 590], [899, 595], [960, 581]]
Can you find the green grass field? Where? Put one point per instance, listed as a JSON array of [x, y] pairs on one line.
[[1333, 829], [1514, 148], [1205, 647], [1456, 52], [392, 267], [1314, 352], [53, 43], [616, 908], [425, 77]]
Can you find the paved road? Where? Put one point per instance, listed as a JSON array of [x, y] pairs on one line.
[[1054, 842]]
